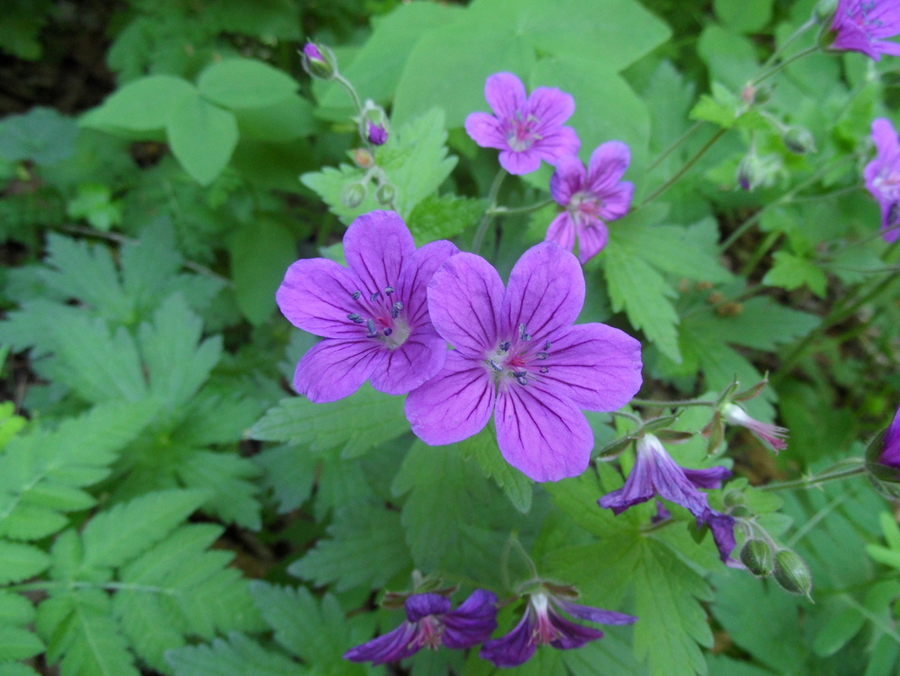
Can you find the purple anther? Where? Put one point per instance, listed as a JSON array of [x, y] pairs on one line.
[[544, 369], [388, 290], [355, 295], [353, 317], [541, 355], [388, 331], [521, 379], [374, 296], [547, 345], [395, 309], [504, 347], [495, 365], [370, 324]]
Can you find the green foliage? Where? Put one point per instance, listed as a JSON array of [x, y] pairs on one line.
[[483, 447], [791, 272], [443, 217], [41, 135]]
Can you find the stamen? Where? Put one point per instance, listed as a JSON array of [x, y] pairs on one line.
[[522, 335], [395, 309], [520, 377], [355, 295], [353, 317], [495, 365], [541, 355], [388, 331], [544, 369], [388, 290], [370, 324], [547, 345], [504, 347], [374, 296]]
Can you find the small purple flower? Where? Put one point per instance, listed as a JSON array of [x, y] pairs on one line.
[[890, 450], [771, 435], [517, 354], [377, 134], [312, 52], [882, 176], [526, 131], [861, 26], [374, 316], [543, 624], [430, 623], [590, 196], [655, 473]]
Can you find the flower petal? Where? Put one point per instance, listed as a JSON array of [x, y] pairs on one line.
[[505, 94], [520, 162], [514, 648], [486, 130], [591, 240], [558, 143], [542, 435], [885, 137], [454, 405], [707, 478], [596, 614], [550, 106], [464, 300], [722, 527], [890, 454], [334, 369], [562, 231], [472, 623], [405, 368], [418, 270], [572, 635], [420, 605], [595, 366], [316, 296], [546, 291], [376, 245], [568, 179], [607, 166], [390, 647], [616, 201]]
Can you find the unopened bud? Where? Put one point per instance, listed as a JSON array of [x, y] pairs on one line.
[[792, 573], [362, 158], [798, 140], [385, 194], [757, 556], [825, 9], [377, 134], [755, 171], [353, 194], [318, 61]]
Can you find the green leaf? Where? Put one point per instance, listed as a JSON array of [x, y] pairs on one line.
[[283, 121], [367, 547], [261, 251], [744, 16], [731, 58], [722, 108], [228, 477], [290, 471], [94, 203], [791, 272], [517, 486], [362, 421], [141, 105], [245, 83], [19, 562], [18, 644], [762, 324], [202, 137], [17, 668], [41, 135], [238, 656], [329, 184], [443, 217]]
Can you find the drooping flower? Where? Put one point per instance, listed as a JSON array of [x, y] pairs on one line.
[[862, 25], [543, 624], [772, 435], [590, 197], [882, 176], [655, 473], [890, 449], [517, 355], [373, 316], [525, 130], [377, 134], [430, 623]]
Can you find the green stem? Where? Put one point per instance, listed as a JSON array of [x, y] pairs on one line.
[[681, 172], [681, 139], [345, 83], [49, 585], [784, 64], [488, 216], [809, 482], [784, 45], [761, 251], [507, 211], [662, 404]]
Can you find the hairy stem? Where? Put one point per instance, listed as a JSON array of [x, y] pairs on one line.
[[488, 216]]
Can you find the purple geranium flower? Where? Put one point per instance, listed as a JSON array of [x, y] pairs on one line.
[[883, 177], [861, 24], [518, 353], [374, 316], [543, 624], [590, 197], [526, 131], [655, 473], [430, 623], [772, 435]]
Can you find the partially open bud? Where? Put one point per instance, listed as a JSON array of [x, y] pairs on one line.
[[385, 194], [798, 140], [318, 61], [792, 573], [755, 171], [757, 556], [354, 194], [362, 158], [377, 134]]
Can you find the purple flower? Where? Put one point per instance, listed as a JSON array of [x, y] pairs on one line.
[[883, 177], [430, 623], [377, 134], [890, 450], [655, 473], [312, 52], [861, 24], [543, 624], [374, 316], [772, 435], [526, 131], [518, 354], [590, 197]]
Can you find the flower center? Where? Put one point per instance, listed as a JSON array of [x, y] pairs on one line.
[[520, 134], [586, 205], [517, 359], [382, 318], [544, 631], [430, 633]]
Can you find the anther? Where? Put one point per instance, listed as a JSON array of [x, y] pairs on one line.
[[353, 317], [495, 365], [520, 377], [374, 296], [370, 324], [355, 295], [504, 347], [522, 335], [388, 331], [544, 369], [395, 309], [541, 355], [388, 290], [547, 345]]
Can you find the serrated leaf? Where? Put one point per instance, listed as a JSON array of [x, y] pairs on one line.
[[721, 108], [42, 135], [362, 421], [483, 447], [141, 105], [238, 656], [367, 547], [202, 137], [18, 644], [791, 272], [228, 479], [443, 217], [245, 83], [761, 324], [290, 471], [578, 497], [19, 562]]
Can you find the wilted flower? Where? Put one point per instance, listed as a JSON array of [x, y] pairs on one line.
[[543, 624], [655, 473], [861, 26], [772, 435], [374, 316], [883, 177], [430, 623], [377, 134], [518, 353], [590, 196], [525, 130]]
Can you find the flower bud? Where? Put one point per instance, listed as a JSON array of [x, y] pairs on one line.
[[757, 556], [377, 134], [362, 158], [792, 573], [318, 61], [385, 194], [354, 194], [824, 10], [798, 140], [755, 171]]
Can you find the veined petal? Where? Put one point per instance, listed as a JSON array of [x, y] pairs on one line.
[[486, 130], [405, 368], [464, 299], [514, 648], [334, 369], [890, 454], [390, 647], [520, 162], [316, 296], [454, 405], [550, 106], [505, 94], [885, 137], [420, 605], [568, 179], [557, 143], [546, 291], [472, 623], [722, 528], [562, 231], [595, 366], [607, 166], [591, 240], [571, 635], [376, 245], [616, 201], [707, 478], [418, 270], [595, 614], [542, 435]]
